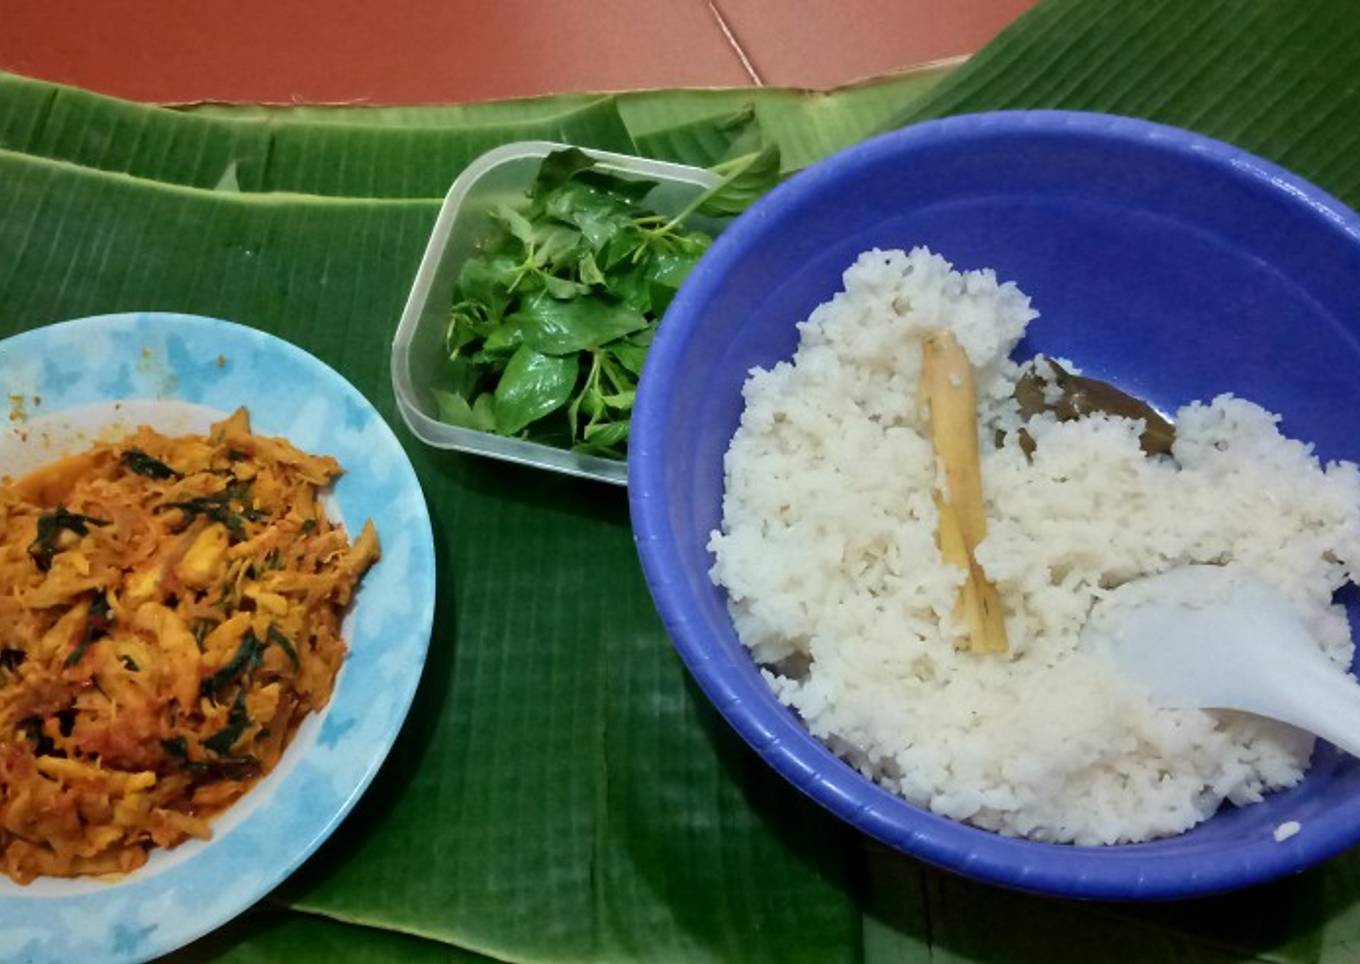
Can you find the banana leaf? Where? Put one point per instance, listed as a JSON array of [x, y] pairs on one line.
[[561, 791], [356, 161], [478, 113], [686, 126], [1277, 77], [417, 152], [62, 123], [265, 937]]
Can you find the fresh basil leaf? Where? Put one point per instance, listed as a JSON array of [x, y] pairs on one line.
[[630, 357], [461, 376], [621, 246], [530, 283], [620, 400], [453, 409], [558, 246], [533, 385], [607, 433], [563, 288], [694, 244], [662, 297], [484, 412], [591, 385], [744, 179], [667, 271], [621, 381], [629, 281], [631, 352], [573, 416], [592, 402], [606, 439], [670, 269], [486, 281], [559, 327], [559, 167], [467, 324], [625, 188], [597, 214], [503, 244], [588, 270], [514, 222], [505, 338]]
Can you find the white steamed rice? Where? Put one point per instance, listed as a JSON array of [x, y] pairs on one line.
[[828, 555]]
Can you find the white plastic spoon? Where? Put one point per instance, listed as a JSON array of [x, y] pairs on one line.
[[1212, 637]]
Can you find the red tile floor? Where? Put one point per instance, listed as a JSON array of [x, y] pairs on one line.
[[429, 51]]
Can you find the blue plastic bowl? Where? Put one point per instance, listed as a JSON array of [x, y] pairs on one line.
[[1173, 264]]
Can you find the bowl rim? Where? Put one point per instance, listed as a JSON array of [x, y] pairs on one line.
[[1120, 872]]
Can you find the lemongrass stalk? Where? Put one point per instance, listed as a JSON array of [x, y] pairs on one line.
[[949, 398]]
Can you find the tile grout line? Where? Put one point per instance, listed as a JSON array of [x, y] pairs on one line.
[[735, 44]]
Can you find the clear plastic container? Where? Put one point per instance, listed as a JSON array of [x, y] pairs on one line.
[[418, 354]]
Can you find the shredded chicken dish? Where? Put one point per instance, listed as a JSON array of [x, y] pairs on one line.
[[170, 611]]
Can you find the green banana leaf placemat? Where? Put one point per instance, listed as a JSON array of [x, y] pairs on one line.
[[561, 791]]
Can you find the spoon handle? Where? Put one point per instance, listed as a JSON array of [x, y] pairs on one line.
[[1319, 698]]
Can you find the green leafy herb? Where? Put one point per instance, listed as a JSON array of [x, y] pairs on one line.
[[50, 525], [553, 314], [630, 352], [531, 386], [226, 767], [98, 622], [455, 410], [202, 627], [135, 460], [275, 636], [558, 167], [231, 507], [248, 655], [224, 739], [604, 437], [31, 728], [309, 526], [555, 327]]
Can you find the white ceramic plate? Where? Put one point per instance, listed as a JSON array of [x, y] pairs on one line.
[[69, 383]]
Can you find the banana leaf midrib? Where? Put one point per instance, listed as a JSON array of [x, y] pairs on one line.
[[421, 157], [21, 159]]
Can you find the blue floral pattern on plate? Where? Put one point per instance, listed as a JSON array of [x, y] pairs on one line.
[[174, 359]]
